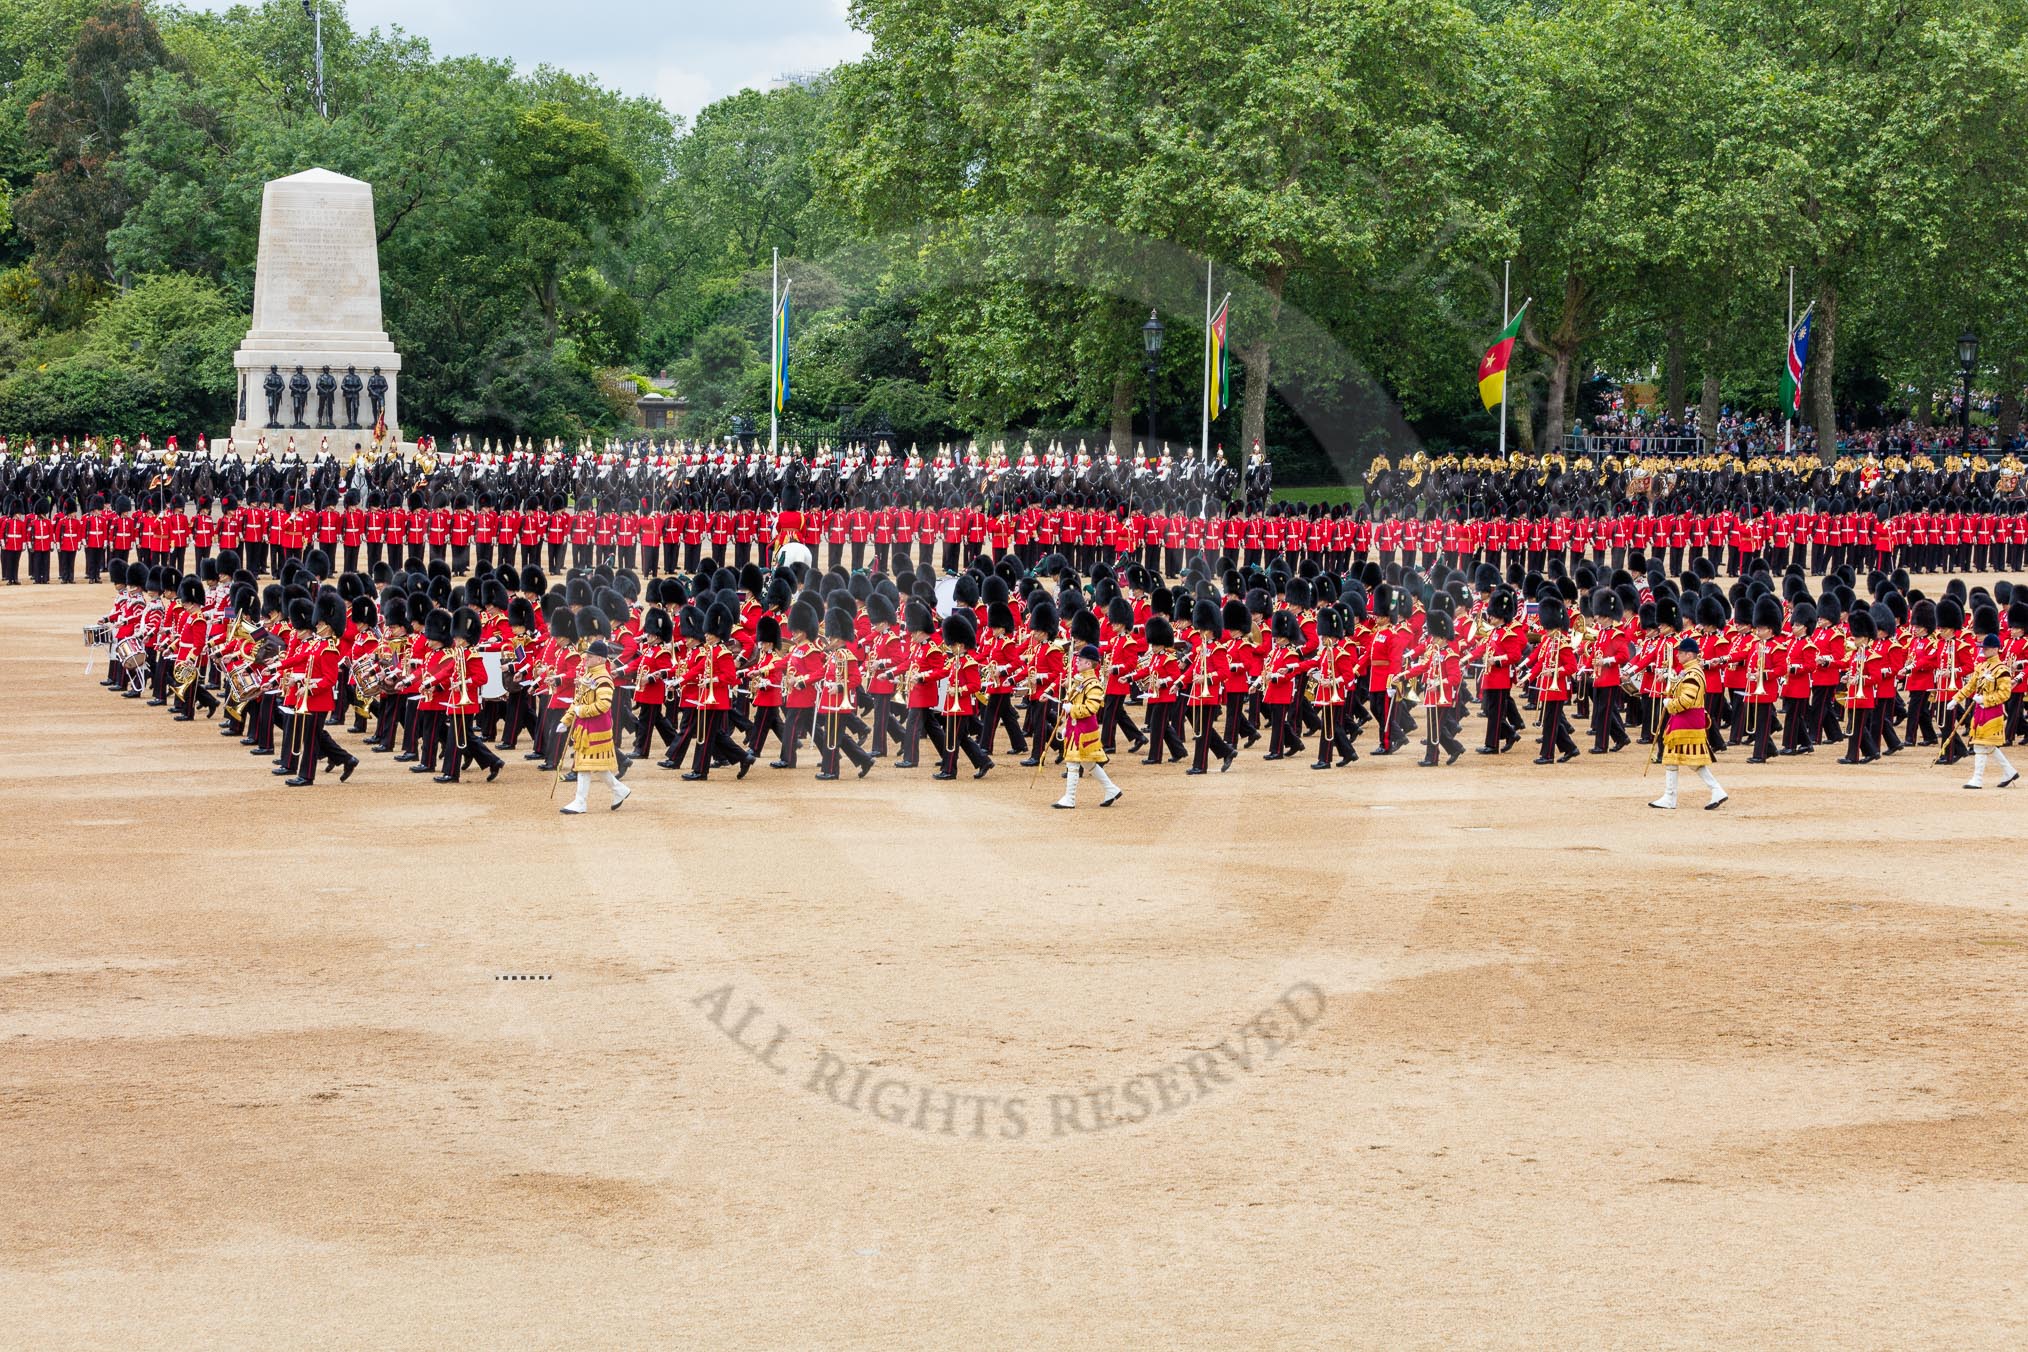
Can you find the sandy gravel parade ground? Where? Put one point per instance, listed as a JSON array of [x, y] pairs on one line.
[[1379, 1057]]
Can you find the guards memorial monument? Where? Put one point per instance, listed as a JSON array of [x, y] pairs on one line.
[[316, 363]]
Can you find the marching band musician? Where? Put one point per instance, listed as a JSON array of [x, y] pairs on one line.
[[1207, 679], [315, 664], [1440, 676], [715, 674], [563, 656], [955, 700], [187, 663], [589, 723], [1084, 699], [1555, 662], [1042, 673], [1000, 670], [1333, 680], [433, 672], [1123, 648], [1799, 667], [1955, 655], [652, 668], [805, 666], [1865, 668], [1765, 671], [886, 649], [1984, 696], [1501, 651], [1686, 731], [1610, 655], [837, 697], [463, 674], [1281, 671], [766, 677], [1161, 673]]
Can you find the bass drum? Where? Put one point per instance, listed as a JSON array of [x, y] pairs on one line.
[[496, 684]]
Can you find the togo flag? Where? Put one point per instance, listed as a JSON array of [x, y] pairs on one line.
[[1493, 366], [1792, 372]]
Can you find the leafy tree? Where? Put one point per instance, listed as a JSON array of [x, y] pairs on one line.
[[564, 183], [79, 198]]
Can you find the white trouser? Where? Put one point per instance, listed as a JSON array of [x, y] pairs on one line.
[[1668, 798], [1981, 754], [584, 783], [1098, 772]]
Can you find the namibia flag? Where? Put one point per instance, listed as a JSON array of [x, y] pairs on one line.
[[1493, 366], [1792, 368]]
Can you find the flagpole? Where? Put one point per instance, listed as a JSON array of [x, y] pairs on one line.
[[1203, 408], [774, 353], [1506, 284], [1788, 346]]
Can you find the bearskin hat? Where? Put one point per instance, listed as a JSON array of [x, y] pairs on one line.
[[804, 620], [1235, 618], [1767, 613], [767, 631], [466, 625], [1439, 625], [190, 590], [437, 628], [1042, 617], [1503, 605], [1863, 627], [1552, 614], [1205, 618], [958, 629], [1161, 634], [1084, 627], [1286, 627]]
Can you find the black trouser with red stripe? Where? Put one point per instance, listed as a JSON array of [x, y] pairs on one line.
[[1209, 743], [714, 740], [1116, 717], [958, 737], [999, 714], [1336, 731], [1499, 706], [1165, 729]]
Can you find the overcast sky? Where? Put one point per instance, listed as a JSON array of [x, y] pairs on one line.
[[687, 53]]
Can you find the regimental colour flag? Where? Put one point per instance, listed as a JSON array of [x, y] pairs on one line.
[[1218, 381], [782, 351], [1792, 370], [1493, 366]]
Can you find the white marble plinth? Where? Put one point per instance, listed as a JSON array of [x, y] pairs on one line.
[[316, 305]]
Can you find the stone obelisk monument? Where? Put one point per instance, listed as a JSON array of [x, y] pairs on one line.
[[316, 364]]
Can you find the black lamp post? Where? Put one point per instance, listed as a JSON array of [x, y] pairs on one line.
[[1151, 340], [1968, 357]]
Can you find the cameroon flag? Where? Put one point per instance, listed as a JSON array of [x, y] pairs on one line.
[[1493, 366]]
